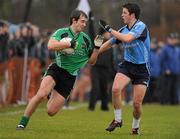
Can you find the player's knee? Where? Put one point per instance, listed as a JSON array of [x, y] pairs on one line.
[[115, 90], [51, 112]]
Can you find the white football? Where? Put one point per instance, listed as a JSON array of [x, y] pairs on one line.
[[66, 39], [67, 50]]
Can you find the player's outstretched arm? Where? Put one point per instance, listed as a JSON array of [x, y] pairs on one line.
[[97, 44], [99, 48]]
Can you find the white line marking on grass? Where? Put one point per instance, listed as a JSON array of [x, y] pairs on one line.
[[73, 107], [42, 109]]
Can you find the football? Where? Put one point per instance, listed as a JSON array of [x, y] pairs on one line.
[[67, 50]]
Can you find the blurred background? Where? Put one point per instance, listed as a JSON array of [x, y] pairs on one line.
[[162, 16], [26, 26]]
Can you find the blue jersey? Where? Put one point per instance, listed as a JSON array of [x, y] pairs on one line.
[[138, 50]]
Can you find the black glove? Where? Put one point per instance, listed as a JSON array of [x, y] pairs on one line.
[[73, 43], [105, 26]]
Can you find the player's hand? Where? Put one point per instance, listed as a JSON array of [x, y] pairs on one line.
[[98, 41], [105, 26], [69, 41], [73, 43]]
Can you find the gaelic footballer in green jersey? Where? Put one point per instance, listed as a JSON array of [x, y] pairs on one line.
[[61, 74]]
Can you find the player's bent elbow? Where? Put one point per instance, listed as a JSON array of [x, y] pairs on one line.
[[50, 47], [51, 44], [91, 62]]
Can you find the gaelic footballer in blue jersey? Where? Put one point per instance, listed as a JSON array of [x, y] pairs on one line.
[[134, 38]]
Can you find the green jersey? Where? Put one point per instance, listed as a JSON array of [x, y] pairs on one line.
[[82, 51]]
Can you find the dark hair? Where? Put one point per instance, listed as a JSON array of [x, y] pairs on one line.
[[76, 15], [133, 8]]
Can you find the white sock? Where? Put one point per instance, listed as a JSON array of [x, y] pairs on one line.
[[135, 123], [117, 114]]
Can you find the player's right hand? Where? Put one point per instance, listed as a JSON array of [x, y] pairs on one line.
[[69, 41]]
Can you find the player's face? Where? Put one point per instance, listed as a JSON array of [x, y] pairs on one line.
[[126, 16], [81, 23]]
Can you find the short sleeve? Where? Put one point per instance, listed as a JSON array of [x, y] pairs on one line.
[[137, 30], [57, 35]]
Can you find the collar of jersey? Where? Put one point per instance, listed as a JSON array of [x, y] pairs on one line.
[[73, 34], [132, 25]]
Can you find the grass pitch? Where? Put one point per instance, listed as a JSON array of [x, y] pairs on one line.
[[158, 122]]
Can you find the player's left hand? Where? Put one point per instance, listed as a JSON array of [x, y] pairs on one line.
[[73, 43], [105, 26], [98, 41]]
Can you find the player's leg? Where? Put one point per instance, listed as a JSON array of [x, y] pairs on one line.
[[119, 84], [140, 81], [138, 95], [46, 86], [55, 103]]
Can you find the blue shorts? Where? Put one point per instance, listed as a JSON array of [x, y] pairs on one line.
[[64, 80], [138, 73]]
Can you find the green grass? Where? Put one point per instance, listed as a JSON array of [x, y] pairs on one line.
[[158, 122]]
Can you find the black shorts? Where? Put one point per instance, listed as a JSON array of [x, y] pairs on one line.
[[138, 73], [64, 80]]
